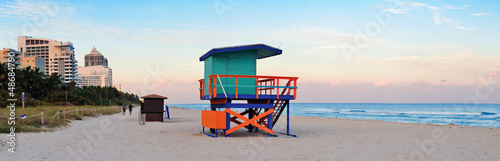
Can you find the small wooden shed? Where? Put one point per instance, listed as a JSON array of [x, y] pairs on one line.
[[153, 107]]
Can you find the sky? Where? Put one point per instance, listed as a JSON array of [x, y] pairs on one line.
[[343, 51]]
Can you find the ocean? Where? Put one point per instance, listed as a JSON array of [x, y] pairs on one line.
[[480, 115]]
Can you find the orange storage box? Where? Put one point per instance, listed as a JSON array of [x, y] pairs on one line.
[[213, 119]]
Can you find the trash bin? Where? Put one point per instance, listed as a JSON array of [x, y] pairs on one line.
[[142, 119]]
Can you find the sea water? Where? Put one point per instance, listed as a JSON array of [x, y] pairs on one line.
[[480, 115]]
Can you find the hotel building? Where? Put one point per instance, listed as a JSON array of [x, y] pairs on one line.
[[59, 56], [5, 56]]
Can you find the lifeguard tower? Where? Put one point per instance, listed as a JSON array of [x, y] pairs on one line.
[[230, 75]]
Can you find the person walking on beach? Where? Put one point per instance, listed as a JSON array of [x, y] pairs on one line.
[[124, 108], [130, 108]]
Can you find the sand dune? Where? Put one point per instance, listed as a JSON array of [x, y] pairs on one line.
[[118, 137]]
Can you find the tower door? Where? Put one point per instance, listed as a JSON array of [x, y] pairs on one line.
[[221, 66]]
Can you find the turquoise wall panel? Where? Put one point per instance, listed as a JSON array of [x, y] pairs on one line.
[[233, 63]]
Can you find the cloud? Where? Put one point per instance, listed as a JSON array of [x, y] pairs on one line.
[[433, 7], [393, 10], [455, 7], [313, 37], [381, 84], [480, 14], [396, 11], [30, 10], [494, 73], [439, 20], [415, 5], [395, 92], [465, 28], [293, 33], [405, 7], [447, 20], [52, 18], [432, 63]]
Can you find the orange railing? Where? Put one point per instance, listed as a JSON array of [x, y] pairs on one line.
[[264, 85], [202, 88]]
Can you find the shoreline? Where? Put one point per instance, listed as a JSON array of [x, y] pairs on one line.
[[363, 119]]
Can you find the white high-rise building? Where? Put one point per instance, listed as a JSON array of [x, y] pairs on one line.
[[59, 56], [95, 76]]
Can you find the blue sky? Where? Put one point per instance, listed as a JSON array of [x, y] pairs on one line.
[[343, 51]]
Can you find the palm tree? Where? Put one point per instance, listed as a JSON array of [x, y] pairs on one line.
[[52, 83], [3, 76]]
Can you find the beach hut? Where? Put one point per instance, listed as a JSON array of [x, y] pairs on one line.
[[153, 107], [230, 77]]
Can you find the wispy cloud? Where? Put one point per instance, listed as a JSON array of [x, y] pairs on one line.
[[407, 63], [381, 83], [494, 73], [448, 7], [393, 10], [433, 7], [52, 18], [30, 10], [181, 35], [438, 14], [480, 14], [417, 5], [465, 28], [405, 7], [394, 92], [439, 20], [436, 62]]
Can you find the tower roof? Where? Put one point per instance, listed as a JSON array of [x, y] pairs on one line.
[[154, 96], [94, 51], [263, 51]]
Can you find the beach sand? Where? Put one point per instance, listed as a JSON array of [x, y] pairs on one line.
[[119, 137]]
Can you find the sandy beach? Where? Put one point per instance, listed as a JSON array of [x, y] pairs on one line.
[[120, 137]]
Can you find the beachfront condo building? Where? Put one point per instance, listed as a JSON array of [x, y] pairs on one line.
[[8, 52], [59, 56], [95, 58], [96, 76]]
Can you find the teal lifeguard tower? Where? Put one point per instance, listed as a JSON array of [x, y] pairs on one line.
[[231, 74]]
